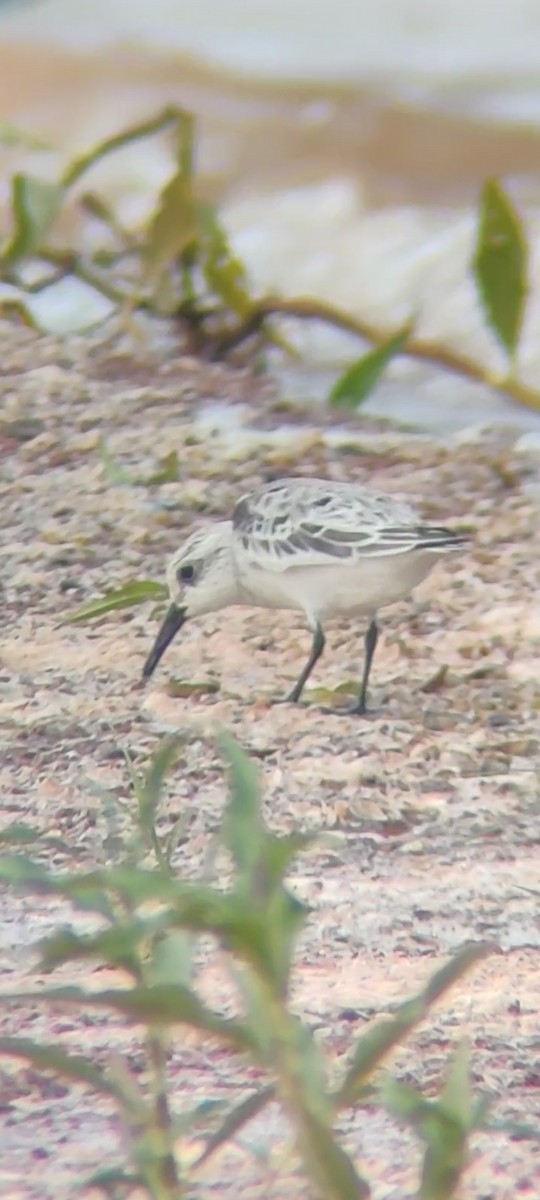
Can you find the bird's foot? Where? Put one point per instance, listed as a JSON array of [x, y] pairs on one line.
[[289, 699], [347, 710], [358, 708]]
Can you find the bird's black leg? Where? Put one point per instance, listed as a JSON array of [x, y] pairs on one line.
[[316, 651], [372, 636]]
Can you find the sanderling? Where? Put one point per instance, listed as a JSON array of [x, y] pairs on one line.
[[325, 549]]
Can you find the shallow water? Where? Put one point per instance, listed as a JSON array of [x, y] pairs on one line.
[[346, 150]]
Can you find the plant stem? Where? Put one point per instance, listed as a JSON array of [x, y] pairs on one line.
[[152, 1131], [166, 119], [70, 263], [167, 1183], [308, 1107], [306, 309]]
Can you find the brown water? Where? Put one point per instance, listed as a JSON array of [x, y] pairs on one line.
[[257, 135]]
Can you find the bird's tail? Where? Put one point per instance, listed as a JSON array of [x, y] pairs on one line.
[[396, 539], [438, 537]]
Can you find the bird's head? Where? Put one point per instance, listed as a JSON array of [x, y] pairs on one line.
[[200, 579]]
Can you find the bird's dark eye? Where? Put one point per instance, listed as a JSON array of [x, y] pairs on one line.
[[186, 574]]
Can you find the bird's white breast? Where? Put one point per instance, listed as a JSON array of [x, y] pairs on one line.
[[321, 591]]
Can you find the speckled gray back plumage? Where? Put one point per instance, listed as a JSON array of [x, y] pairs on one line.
[[296, 522]]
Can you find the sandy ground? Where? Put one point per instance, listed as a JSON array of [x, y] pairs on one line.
[[432, 802]]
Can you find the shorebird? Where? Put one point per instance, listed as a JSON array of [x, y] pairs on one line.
[[322, 548]]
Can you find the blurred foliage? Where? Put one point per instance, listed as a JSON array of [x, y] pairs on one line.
[[182, 266], [501, 266], [358, 381], [131, 594], [142, 918]]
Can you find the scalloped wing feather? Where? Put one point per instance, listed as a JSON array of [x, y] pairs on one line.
[[297, 523]]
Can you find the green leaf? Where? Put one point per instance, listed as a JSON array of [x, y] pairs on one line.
[[35, 205], [458, 966], [224, 273], [263, 934], [445, 1157], [135, 885], [163, 1004], [92, 890], [51, 1058], [207, 910], [19, 871], [137, 592], [235, 1120], [500, 265], [327, 1163], [280, 852], [444, 1124], [11, 135], [119, 946], [243, 829], [355, 385], [172, 958], [266, 923], [307, 1061], [373, 1046], [182, 689], [114, 473], [456, 1096], [173, 227], [260, 934], [149, 787], [168, 472], [405, 1102]]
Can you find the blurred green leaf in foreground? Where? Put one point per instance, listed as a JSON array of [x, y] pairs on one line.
[[141, 918]]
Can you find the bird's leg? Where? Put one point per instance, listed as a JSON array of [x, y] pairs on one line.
[[372, 636], [316, 651]]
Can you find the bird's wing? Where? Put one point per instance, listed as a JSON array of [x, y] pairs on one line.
[[292, 526]]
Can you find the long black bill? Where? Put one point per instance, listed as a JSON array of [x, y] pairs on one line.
[[172, 622]]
